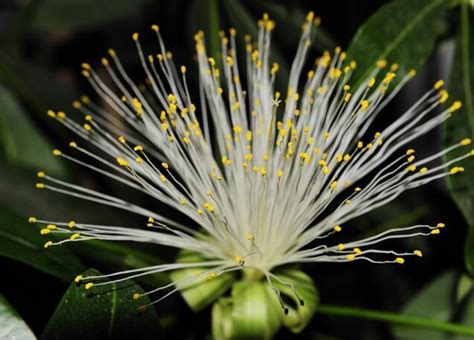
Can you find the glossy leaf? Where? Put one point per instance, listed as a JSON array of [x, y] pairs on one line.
[[11, 324], [21, 141], [78, 14], [403, 32], [461, 124], [22, 242], [103, 312], [435, 301]]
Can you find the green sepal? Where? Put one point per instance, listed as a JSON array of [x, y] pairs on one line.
[[252, 312], [203, 290], [300, 312]]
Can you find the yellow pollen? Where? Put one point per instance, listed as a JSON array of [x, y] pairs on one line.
[[51, 227], [333, 185], [400, 260], [40, 186], [423, 170], [439, 84], [435, 231], [155, 28], [73, 144], [135, 36], [340, 246], [465, 141], [40, 174], [456, 170], [136, 296], [121, 161], [165, 165], [32, 220], [88, 285], [163, 178], [418, 253], [138, 148], [183, 69], [440, 225], [337, 228], [45, 231], [357, 189], [48, 244], [455, 106], [78, 278], [71, 224], [381, 63], [410, 152], [75, 236], [350, 257], [371, 82], [443, 96], [56, 152], [411, 159], [357, 251], [122, 139]]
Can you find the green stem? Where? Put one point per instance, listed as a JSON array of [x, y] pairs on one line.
[[400, 319], [214, 28]]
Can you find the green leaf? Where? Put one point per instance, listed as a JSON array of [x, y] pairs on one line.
[[11, 325], [252, 312], [20, 140], [461, 124], [22, 242], [403, 32], [203, 291], [434, 302], [107, 311], [53, 15]]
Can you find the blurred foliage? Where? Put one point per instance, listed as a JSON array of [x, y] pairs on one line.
[[11, 325], [42, 44]]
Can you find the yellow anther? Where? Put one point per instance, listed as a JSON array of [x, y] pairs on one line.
[[335, 73], [423, 170], [111, 52], [48, 244], [350, 257], [347, 157], [400, 260], [121, 161], [333, 185], [371, 82], [122, 139], [165, 165], [357, 251], [135, 296], [105, 61], [139, 160], [455, 106], [440, 225], [381, 63], [135, 36], [88, 285], [394, 67], [61, 115], [73, 144], [239, 260], [364, 104], [87, 127], [435, 231], [32, 219], [75, 236], [465, 141], [78, 278], [162, 178], [337, 228], [56, 152], [200, 211], [40, 174], [182, 201], [263, 171], [411, 159], [71, 224], [183, 69], [326, 170], [51, 227], [275, 68], [418, 253], [439, 84], [360, 145], [411, 168], [456, 170], [347, 202], [40, 186], [340, 247], [410, 152], [443, 96], [45, 231], [76, 104], [326, 135], [51, 113], [138, 148], [155, 28], [412, 73], [357, 189], [347, 97]]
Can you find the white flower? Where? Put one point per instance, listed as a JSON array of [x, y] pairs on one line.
[[266, 178]]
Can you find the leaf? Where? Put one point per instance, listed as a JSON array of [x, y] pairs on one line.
[[434, 302], [22, 242], [21, 141], [105, 312], [461, 124], [403, 32], [11, 325], [53, 15]]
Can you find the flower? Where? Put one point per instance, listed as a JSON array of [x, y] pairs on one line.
[[267, 179]]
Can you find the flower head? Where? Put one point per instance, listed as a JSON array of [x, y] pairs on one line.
[[267, 178]]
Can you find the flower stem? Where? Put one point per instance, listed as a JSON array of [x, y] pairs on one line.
[[400, 319]]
